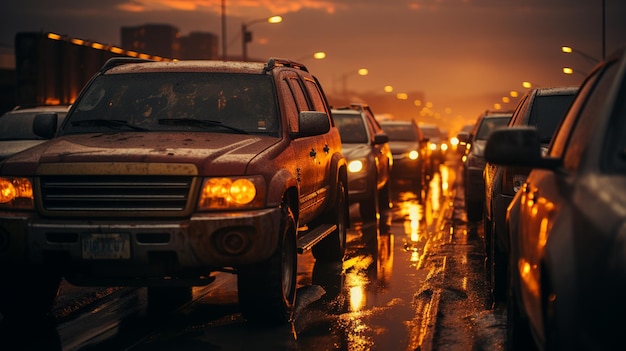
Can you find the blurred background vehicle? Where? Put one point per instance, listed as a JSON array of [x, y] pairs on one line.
[[366, 148], [16, 128], [475, 161], [437, 147], [462, 136], [410, 153], [544, 109], [567, 223]]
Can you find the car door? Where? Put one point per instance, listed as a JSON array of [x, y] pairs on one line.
[[325, 145], [305, 148], [548, 202]]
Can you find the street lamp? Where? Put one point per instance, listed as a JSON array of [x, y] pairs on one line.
[[569, 50], [570, 70], [246, 36], [320, 55]]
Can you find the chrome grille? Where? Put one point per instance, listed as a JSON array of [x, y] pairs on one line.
[[115, 193]]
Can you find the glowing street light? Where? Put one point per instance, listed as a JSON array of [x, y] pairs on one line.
[[320, 55], [569, 50], [246, 36]]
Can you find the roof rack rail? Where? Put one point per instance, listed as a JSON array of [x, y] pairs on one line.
[[282, 62], [121, 60]]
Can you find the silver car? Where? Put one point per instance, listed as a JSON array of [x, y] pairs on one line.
[[16, 128]]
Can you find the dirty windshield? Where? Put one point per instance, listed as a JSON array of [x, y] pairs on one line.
[[216, 102]]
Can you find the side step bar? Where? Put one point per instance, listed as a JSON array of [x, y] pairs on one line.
[[308, 240]]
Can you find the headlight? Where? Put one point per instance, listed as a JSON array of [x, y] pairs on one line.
[[413, 155], [356, 166], [16, 193], [432, 146], [232, 193]]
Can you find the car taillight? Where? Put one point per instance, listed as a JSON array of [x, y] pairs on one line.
[[512, 179]]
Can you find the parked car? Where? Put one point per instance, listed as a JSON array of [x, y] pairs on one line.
[[567, 223], [366, 148], [474, 163], [410, 149], [544, 109], [165, 172], [16, 128], [462, 146]]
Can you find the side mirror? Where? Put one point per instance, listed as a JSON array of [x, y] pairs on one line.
[[514, 146], [381, 139], [312, 123], [45, 125]]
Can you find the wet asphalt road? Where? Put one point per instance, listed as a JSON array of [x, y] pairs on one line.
[[413, 282]]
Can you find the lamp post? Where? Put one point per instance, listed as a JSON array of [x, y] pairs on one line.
[[246, 36], [569, 50], [319, 55]]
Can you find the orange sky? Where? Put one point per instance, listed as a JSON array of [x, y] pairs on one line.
[[453, 51]]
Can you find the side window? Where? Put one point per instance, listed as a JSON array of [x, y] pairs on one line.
[[297, 100], [316, 95], [561, 136], [291, 107], [587, 121], [520, 111]]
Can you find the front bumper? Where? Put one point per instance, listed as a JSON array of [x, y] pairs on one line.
[[157, 248]]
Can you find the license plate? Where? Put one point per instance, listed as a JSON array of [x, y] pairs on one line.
[[109, 246]]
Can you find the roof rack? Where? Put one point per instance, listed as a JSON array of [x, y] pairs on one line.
[[282, 62], [118, 61]]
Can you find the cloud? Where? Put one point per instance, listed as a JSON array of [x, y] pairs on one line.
[[234, 7]]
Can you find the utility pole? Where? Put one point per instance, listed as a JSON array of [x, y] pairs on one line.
[[224, 56]]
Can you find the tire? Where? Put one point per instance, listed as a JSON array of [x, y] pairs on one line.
[[474, 210], [267, 290], [487, 231], [368, 208], [384, 198], [332, 248], [29, 291], [499, 269], [519, 336]]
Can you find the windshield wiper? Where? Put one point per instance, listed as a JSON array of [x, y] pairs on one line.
[[113, 123], [199, 123]]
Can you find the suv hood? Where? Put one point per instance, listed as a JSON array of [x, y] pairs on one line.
[[212, 153], [354, 151]]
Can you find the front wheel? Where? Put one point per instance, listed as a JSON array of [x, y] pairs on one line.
[[267, 290]]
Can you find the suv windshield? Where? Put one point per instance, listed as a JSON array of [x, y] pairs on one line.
[[400, 132], [233, 103], [351, 128]]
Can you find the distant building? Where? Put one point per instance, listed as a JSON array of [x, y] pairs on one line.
[[153, 39], [199, 45], [165, 40]]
